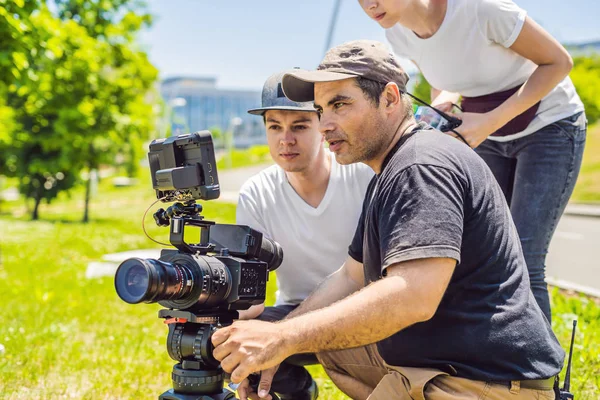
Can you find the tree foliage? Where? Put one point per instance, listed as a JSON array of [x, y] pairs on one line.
[[79, 91]]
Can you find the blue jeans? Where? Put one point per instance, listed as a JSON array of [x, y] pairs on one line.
[[537, 174]]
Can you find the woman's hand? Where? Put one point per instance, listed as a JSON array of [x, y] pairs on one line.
[[444, 107], [475, 128], [443, 100]]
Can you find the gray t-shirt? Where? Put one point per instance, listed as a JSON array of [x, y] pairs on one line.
[[436, 198]]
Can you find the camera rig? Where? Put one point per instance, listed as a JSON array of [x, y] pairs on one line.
[[201, 285]]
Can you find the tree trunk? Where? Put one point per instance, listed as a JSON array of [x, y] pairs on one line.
[[35, 214], [88, 188]]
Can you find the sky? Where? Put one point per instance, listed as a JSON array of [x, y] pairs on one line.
[[242, 42]]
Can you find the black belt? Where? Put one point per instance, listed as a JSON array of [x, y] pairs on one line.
[[536, 384]]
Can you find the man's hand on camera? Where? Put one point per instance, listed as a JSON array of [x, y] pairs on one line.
[[247, 391], [245, 347]]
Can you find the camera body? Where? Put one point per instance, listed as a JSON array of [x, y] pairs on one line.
[[234, 284]]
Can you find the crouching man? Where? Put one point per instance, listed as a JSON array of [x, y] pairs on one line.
[[433, 301]]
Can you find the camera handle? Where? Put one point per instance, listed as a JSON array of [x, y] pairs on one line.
[[178, 216]]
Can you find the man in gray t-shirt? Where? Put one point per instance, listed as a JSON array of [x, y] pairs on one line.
[[433, 301]]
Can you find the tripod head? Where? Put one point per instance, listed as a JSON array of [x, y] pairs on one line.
[[197, 375]]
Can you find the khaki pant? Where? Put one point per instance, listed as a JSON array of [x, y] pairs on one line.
[[406, 383]]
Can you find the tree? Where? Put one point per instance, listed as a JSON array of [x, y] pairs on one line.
[[80, 93], [50, 86], [14, 29], [123, 115]]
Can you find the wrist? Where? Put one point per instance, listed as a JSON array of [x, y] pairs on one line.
[[497, 118], [288, 337]]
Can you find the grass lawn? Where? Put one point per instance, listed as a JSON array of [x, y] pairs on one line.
[[588, 185], [64, 336]]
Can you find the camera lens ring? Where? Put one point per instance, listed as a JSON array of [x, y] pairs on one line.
[[134, 280]]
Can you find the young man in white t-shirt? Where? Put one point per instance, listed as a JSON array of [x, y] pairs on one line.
[[309, 204]]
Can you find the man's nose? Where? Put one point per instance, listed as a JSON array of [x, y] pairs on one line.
[[369, 4], [288, 137], [326, 124]]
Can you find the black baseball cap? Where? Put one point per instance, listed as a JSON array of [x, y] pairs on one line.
[[274, 99]]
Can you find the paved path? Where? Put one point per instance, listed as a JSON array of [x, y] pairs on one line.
[[572, 262]]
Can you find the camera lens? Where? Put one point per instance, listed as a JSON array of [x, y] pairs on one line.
[[179, 281], [271, 253], [147, 280], [136, 282]]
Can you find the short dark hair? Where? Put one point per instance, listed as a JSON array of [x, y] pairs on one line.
[[373, 90]]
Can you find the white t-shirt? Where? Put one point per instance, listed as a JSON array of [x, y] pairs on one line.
[[314, 240], [470, 55]]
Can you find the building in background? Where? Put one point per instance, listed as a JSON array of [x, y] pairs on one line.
[[584, 48], [197, 104]]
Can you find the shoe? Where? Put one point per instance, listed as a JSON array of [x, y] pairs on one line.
[[312, 393]]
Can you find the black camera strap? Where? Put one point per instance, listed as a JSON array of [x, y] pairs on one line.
[[452, 124]]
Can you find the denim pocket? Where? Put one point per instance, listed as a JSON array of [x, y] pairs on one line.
[[573, 127]]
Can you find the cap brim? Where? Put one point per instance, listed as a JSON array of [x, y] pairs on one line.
[[300, 86], [262, 110]]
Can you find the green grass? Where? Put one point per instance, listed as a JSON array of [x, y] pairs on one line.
[[65, 336], [588, 184]]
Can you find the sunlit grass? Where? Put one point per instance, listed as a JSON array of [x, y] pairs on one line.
[[64, 336]]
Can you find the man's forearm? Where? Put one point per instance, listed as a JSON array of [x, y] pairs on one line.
[[336, 287], [362, 318], [410, 293]]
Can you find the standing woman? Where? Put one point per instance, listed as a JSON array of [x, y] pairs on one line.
[[521, 112]]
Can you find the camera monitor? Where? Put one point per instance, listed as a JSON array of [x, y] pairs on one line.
[[184, 168]]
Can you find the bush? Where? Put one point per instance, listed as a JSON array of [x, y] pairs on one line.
[[586, 78]]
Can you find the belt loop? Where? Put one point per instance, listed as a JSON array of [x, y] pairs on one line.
[[515, 387]]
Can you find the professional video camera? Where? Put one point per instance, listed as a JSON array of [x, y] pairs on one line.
[[201, 285]]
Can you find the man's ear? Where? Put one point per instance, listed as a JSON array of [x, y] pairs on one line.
[[391, 96]]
